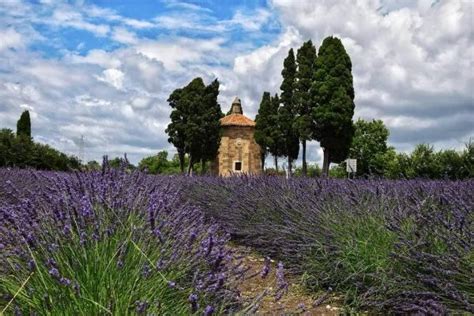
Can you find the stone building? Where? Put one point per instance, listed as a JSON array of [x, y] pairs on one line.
[[238, 151]]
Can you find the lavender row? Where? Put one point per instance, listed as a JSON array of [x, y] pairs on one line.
[[399, 246]]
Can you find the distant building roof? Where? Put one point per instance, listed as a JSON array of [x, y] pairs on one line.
[[236, 120], [236, 116]]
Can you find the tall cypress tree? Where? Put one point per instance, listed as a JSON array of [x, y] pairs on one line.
[[304, 104], [277, 147], [287, 112], [333, 92], [212, 114], [23, 126], [177, 128], [264, 123]]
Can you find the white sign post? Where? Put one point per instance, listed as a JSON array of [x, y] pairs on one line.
[[351, 166]]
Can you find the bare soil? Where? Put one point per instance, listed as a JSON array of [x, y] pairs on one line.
[[296, 301]]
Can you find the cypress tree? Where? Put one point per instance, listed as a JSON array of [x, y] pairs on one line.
[[264, 123], [23, 126], [287, 112], [333, 92], [211, 123], [276, 145], [304, 104], [177, 128]]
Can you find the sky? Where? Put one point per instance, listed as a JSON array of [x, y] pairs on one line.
[[104, 69]]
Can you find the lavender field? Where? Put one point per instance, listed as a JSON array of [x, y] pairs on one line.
[[117, 242]]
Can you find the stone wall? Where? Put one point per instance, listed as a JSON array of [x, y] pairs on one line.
[[237, 144]]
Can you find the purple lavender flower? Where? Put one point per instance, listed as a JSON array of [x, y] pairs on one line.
[[209, 310], [282, 284], [65, 281], [31, 265], [210, 244], [158, 234], [67, 229], [86, 207], [141, 307], [266, 268], [146, 271], [171, 284], [54, 273], [193, 300]]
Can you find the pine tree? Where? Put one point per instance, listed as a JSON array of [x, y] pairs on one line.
[[304, 104], [23, 126], [287, 112], [333, 92]]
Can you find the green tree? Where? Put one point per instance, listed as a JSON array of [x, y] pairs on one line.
[[333, 93], [287, 112], [176, 130], [264, 126], [155, 164], [23, 126], [451, 164], [92, 165], [287, 137], [212, 114], [424, 162], [194, 127], [277, 146], [468, 161], [369, 147], [304, 103], [7, 139]]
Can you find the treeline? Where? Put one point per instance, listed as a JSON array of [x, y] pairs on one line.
[[376, 159], [19, 150], [316, 103]]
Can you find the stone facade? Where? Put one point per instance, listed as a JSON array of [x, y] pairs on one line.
[[238, 151]]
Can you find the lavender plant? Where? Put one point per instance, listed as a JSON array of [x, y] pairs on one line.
[[109, 243], [398, 246]]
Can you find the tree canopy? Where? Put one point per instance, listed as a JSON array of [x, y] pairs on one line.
[[288, 112], [304, 103], [22, 152], [333, 93], [195, 127], [23, 126], [369, 147], [265, 124]]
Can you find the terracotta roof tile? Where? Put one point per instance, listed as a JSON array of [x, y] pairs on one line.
[[236, 120]]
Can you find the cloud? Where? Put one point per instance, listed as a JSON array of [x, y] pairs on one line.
[[251, 22], [10, 39], [178, 51], [412, 66], [124, 36], [66, 16]]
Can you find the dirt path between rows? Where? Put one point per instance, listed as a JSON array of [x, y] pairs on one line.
[[294, 302]]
